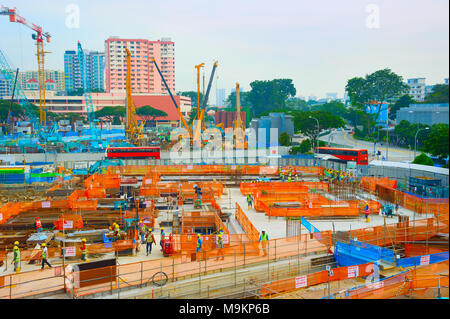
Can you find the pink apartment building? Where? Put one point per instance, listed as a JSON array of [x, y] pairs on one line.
[[144, 76]]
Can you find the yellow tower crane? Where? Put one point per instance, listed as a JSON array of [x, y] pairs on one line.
[[133, 130]]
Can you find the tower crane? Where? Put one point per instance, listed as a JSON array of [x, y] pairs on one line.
[[39, 36], [133, 130]]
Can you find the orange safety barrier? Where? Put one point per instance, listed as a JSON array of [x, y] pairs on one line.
[[399, 233], [408, 282], [298, 282], [248, 227], [280, 187], [370, 183], [70, 221], [412, 250]]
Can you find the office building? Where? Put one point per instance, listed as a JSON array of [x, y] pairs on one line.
[[417, 89], [424, 113]]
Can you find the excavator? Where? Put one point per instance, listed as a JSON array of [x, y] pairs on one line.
[[133, 130]]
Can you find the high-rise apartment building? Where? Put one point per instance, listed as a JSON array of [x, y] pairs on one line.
[[5, 89], [417, 88], [95, 65], [54, 80], [144, 76], [220, 97], [72, 75]]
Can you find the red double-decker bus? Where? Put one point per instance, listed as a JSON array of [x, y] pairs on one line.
[[360, 156], [150, 152]]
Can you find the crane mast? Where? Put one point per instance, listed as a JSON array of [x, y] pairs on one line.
[[39, 36]]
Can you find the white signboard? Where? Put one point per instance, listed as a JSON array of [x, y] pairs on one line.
[[301, 281], [68, 224], [70, 251], [1, 216], [352, 271], [45, 204], [190, 167], [376, 285], [425, 260], [225, 239], [148, 181]]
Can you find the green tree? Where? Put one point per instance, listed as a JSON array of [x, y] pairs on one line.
[[381, 86], [110, 112], [436, 142], [297, 103], [403, 101], [268, 95], [438, 95], [423, 159], [284, 139], [149, 113], [243, 98], [16, 110], [305, 146]]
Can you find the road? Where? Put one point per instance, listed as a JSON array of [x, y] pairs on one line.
[[395, 154]]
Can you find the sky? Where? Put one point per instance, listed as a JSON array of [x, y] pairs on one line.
[[319, 44]]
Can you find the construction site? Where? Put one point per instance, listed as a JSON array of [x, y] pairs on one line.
[[138, 228]]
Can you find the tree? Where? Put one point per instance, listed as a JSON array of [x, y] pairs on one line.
[[149, 113], [16, 110], [403, 101], [297, 103], [382, 86], [268, 95], [438, 95], [436, 142], [110, 112], [423, 159], [243, 98], [305, 146], [284, 139]]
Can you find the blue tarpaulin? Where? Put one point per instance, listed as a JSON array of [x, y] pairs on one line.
[[422, 260]]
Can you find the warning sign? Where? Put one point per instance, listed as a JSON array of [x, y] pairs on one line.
[[376, 285], [148, 181], [425, 260], [301, 281], [352, 271], [69, 251], [225, 239], [1, 216], [45, 204], [68, 224]]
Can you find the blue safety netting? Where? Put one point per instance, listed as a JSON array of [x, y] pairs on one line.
[[356, 253], [422, 260]]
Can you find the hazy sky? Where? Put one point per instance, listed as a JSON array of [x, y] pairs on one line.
[[319, 44]]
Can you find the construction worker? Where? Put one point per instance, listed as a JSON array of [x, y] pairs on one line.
[[220, 247], [16, 258], [142, 231], [249, 200], [44, 256], [220, 232], [162, 237], [116, 236], [149, 239], [263, 238], [38, 224], [199, 243], [83, 250], [297, 178], [366, 213]]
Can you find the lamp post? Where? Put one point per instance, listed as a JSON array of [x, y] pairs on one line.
[[415, 139], [317, 138]]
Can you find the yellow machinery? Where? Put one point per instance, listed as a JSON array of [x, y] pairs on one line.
[[133, 130], [198, 67], [239, 128], [39, 37]]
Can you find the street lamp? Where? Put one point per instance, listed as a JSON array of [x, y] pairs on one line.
[[317, 142], [415, 138]]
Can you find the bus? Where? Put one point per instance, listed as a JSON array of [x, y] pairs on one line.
[[149, 152], [343, 155]]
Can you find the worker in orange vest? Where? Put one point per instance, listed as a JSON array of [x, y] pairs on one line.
[[38, 224]]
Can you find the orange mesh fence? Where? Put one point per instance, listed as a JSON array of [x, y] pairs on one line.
[[315, 278], [370, 183], [303, 170], [409, 281], [70, 221], [280, 187], [248, 227], [412, 250], [399, 232]]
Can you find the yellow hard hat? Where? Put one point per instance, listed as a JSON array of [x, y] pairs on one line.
[[150, 229], [43, 245], [162, 228], [84, 239], [117, 225], [16, 243], [220, 235], [15, 248], [198, 235]]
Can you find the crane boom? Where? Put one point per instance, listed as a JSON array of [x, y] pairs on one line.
[[132, 129], [186, 126], [39, 37]]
